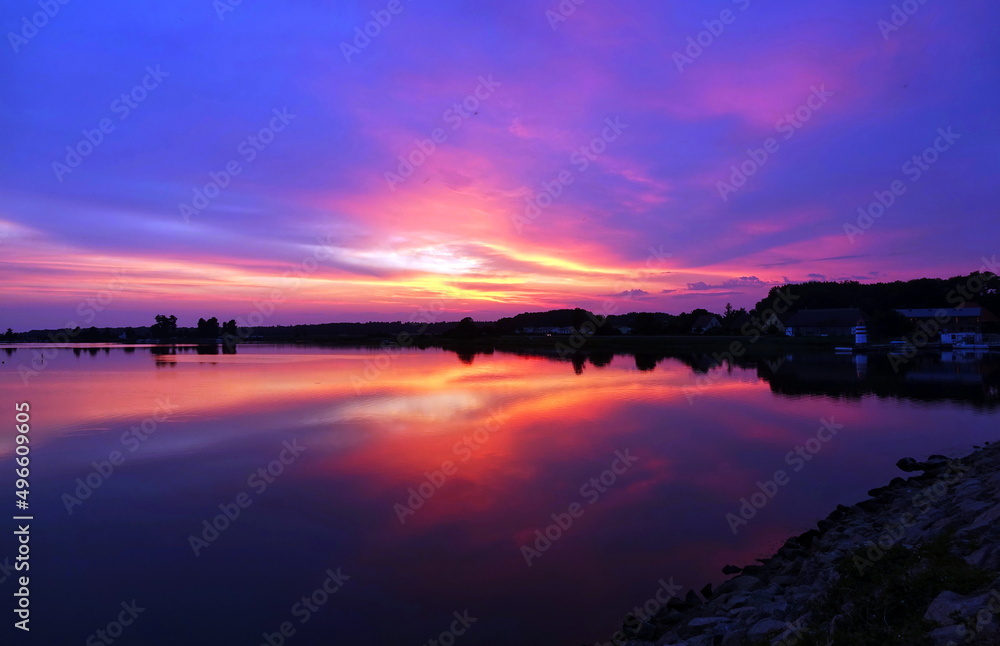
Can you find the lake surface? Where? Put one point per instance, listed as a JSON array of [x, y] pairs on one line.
[[641, 458]]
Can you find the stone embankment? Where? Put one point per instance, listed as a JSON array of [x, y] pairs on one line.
[[917, 563]]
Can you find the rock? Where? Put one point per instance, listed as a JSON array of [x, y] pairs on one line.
[[987, 558], [700, 622], [731, 569], [973, 506], [908, 465], [765, 628], [776, 608], [745, 583], [839, 512], [793, 632], [799, 596], [986, 518], [806, 538], [734, 600], [972, 484], [693, 599], [948, 605], [734, 638], [670, 618], [869, 505], [824, 525], [743, 613], [676, 603], [948, 635], [706, 592], [646, 631]]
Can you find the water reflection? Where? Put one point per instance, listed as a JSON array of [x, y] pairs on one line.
[[378, 423], [972, 377]]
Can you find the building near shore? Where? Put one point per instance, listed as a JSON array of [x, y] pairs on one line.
[[826, 322], [704, 323], [952, 325]]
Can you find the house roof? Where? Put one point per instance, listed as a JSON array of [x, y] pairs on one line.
[[703, 321], [843, 317], [950, 312]]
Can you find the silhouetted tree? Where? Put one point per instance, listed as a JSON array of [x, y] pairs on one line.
[[645, 323], [165, 328], [209, 328], [888, 324], [466, 329], [9, 334]]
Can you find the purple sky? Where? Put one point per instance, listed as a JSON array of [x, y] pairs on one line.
[[595, 162]]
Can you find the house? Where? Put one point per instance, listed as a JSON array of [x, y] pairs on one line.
[[951, 325], [704, 323], [827, 322], [622, 329]]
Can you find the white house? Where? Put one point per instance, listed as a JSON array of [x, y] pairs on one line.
[[704, 323]]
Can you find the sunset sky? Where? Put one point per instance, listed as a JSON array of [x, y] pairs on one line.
[[622, 130]]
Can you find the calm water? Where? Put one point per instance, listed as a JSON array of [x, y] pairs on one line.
[[524, 436]]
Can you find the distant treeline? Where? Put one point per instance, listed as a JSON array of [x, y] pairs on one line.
[[981, 288], [878, 300]]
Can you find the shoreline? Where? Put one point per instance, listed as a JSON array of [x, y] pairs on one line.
[[916, 563]]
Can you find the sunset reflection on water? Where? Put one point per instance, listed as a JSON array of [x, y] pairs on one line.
[[522, 434]]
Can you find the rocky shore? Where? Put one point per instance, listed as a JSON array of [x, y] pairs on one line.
[[917, 563]]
